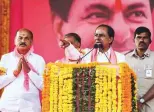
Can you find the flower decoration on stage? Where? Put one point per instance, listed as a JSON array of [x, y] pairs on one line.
[[93, 87]]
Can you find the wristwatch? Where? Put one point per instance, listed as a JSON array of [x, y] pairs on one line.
[[141, 100]]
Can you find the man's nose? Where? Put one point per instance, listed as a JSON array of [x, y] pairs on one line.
[[121, 28], [141, 39], [97, 38], [22, 40]]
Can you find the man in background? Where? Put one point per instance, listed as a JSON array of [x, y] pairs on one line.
[[75, 40], [83, 16], [142, 61], [23, 79]]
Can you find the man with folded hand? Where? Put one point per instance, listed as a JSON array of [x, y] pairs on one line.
[[23, 79]]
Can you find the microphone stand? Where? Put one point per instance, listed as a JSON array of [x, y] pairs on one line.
[[100, 46], [96, 46], [85, 55], [106, 57]]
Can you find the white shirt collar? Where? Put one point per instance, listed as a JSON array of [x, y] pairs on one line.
[[108, 52]]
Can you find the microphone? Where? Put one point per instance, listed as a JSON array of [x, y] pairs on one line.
[[96, 46]]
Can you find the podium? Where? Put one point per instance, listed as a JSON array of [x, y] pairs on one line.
[[93, 87]]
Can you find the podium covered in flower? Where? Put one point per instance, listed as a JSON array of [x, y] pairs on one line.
[[93, 87]]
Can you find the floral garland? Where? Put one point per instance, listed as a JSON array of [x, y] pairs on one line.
[[2, 72], [46, 90], [105, 84], [84, 89], [90, 87], [119, 108], [129, 88]]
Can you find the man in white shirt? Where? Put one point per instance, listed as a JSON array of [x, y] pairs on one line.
[[104, 37], [23, 80]]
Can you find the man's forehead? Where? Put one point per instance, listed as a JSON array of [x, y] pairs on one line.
[[109, 4], [101, 30], [22, 33], [68, 38], [142, 34]]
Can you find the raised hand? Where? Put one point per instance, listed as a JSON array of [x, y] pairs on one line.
[[63, 43]]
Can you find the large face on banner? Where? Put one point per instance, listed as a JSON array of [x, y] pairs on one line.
[[124, 16]]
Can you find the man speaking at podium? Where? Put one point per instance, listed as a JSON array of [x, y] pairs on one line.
[[102, 51]]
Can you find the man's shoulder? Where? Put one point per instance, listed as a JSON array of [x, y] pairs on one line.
[[7, 54], [6, 58], [128, 53], [37, 56], [120, 57], [151, 53], [119, 54]]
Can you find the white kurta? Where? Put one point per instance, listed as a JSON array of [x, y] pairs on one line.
[[15, 97]]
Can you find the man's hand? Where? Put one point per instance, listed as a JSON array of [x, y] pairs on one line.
[[63, 43], [25, 66], [19, 66], [18, 69], [139, 105]]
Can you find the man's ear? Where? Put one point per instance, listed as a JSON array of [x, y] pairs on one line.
[[57, 26], [78, 45], [15, 40], [111, 40]]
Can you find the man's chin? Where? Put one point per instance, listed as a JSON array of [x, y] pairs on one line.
[[142, 49], [23, 48]]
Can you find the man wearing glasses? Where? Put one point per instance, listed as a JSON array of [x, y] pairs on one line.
[[102, 52]]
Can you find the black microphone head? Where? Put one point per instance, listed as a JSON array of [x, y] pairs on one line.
[[98, 45], [95, 45]]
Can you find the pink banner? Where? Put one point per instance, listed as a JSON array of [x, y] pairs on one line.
[[82, 17]]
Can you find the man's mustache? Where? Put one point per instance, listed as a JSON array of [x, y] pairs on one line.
[[97, 42], [23, 43], [142, 43]]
